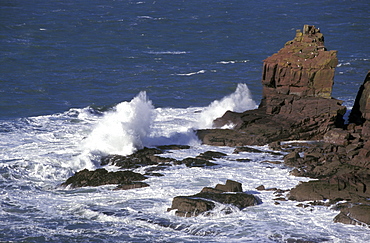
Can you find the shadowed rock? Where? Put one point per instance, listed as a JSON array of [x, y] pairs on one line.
[[142, 157], [101, 177], [205, 201]]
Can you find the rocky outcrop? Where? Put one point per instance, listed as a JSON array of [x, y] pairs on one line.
[[124, 179], [296, 105], [146, 157], [202, 203], [149, 157], [303, 67]]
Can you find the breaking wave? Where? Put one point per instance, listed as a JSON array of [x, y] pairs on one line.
[[132, 125], [122, 130], [239, 101]]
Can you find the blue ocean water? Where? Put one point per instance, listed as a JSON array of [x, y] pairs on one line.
[[82, 78], [61, 54]]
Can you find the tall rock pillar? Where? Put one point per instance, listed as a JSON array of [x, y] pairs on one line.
[[303, 67]]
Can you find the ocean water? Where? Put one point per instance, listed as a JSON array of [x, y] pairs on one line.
[[80, 79]]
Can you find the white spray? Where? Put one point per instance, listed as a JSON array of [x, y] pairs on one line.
[[239, 101], [132, 125], [121, 131]]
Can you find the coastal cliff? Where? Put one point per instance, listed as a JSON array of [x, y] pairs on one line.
[[297, 105]]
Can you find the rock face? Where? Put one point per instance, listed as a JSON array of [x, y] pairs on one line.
[[206, 200], [296, 104], [303, 67], [361, 108], [355, 214]]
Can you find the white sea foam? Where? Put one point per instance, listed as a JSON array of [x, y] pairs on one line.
[[233, 61], [192, 73], [135, 124], [167, 52]]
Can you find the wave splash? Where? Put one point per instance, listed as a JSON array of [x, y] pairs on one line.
[[239, 101], [122, 130], [135, 124]]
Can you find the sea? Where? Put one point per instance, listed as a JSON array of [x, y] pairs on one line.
[[83, 79]]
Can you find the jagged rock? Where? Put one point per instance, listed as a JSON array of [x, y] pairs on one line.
[[189, 206], [297, 105], [361, 108], [101, 177], [351, 187], [142, 157], [205, 201]]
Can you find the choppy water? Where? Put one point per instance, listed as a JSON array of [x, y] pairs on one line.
[[82, 78]]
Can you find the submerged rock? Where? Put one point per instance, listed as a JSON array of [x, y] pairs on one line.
[[200, 203]]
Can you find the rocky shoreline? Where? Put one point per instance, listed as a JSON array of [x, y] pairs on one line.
[[296, 105]]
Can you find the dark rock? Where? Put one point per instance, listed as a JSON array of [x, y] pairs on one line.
[[143, 157], [101, 177], [194, 162], [243, 160], [131, 185], [230, 186], [337, 136], [361, 108], [246, 149], [206, 200], [210, 155], [292, 158], [173, 147], [355, 214], [261, 188], [351, 187], [189, 207]]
